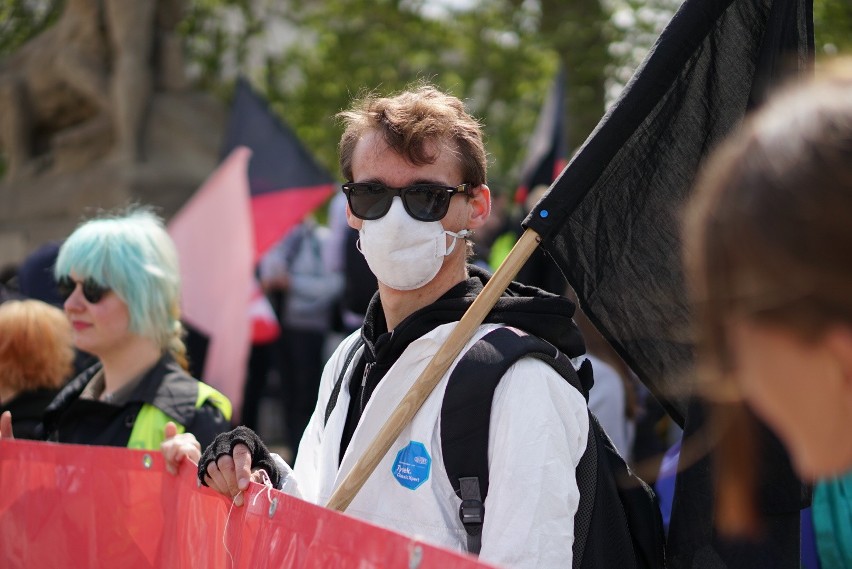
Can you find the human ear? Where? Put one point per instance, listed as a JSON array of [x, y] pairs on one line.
[[479, 207]]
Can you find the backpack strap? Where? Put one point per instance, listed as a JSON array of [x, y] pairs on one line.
[[586, 476], [472, 512], [335, 393], [466, 418]]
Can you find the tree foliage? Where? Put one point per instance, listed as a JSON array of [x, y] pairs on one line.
[[492, 56], [22, 19], [833, 27], [311, 57]]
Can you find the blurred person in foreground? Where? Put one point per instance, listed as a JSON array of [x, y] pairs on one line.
[[119, 279], [768, 252], [36, 356]]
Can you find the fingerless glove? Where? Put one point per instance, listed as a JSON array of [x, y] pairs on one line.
[[224, 444]]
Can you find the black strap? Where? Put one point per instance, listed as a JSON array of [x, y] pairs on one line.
[[471, 512], [586, 476], [466, 410], [335, 393]]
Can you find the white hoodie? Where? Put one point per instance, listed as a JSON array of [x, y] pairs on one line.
[[539, 428]]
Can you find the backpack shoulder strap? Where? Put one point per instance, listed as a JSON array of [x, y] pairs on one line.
[[335, 393], [466, 414]]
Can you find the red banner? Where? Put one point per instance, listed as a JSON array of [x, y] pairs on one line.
[[85, 506]]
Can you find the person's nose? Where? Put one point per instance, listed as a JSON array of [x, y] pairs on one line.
[[75, 302]]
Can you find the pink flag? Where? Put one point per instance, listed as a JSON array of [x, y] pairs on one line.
[[215, 241]]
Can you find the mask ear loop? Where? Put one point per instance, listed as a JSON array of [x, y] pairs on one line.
[[463, 234]]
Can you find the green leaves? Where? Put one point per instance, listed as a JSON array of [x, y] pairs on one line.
[[491, 55], [310, 57], [21, 19]]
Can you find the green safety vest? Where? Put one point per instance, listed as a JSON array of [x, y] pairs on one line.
[[147, 433]]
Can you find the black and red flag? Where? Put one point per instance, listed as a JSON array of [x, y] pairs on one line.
[[547, 155], [547, 150], [266, 183], [612, 223], [285, 181]]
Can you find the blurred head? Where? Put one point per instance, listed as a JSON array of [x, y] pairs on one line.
[[130, 259], [35, 275], [768, 251], [35, 346]]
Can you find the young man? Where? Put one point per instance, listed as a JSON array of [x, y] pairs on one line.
[[416, 165]]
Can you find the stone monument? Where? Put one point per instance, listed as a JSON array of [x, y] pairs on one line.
[[95, 114]]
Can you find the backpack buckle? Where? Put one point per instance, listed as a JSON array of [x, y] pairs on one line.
[[472, 513]]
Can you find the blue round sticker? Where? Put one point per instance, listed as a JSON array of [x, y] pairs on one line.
[[412, 465]]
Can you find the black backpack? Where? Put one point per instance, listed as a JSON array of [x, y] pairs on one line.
[[618, 521]]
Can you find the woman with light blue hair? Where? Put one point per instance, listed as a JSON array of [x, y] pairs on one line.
[[119, 279]]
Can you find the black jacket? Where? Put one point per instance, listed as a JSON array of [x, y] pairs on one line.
[[69, 419], [27, 408]]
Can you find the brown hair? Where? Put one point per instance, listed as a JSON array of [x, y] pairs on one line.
[[408, 121], [768, 237], [768, 233], [35, 345]]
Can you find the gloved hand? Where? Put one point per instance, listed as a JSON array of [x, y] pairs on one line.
[[223, 445]]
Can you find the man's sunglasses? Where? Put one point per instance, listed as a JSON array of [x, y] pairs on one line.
[[423, 202], [93, 292]]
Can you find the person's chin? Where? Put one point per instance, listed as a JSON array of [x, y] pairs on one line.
[[82, 342]]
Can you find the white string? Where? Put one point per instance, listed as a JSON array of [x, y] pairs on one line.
[[225, 531], [266, 482]]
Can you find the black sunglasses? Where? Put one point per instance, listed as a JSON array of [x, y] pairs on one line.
[[93, 292], [423, 202]]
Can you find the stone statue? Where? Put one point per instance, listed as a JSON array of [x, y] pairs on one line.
[[55, 82], [94, 70], [130, 30], [96, 112]]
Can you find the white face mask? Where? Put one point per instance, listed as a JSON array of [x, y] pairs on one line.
[[402, 252]]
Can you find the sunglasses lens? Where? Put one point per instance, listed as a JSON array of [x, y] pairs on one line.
[[93, 291], [369, 201], [65, 287], [426, 203]]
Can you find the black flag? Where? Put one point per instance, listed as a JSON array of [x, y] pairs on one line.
[[611, 220]]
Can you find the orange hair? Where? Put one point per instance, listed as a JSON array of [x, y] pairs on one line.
[[35, 345]]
